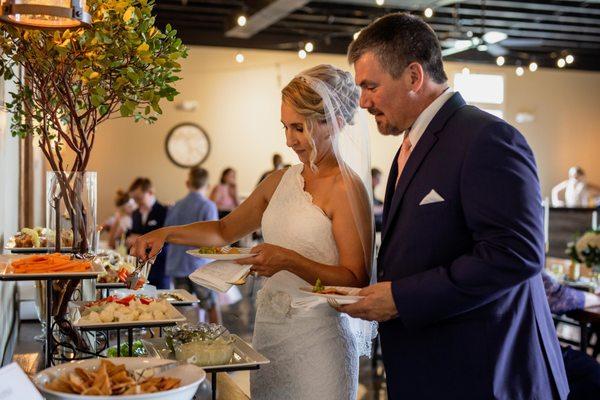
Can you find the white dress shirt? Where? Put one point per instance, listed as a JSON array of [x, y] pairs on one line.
[[422, 122]]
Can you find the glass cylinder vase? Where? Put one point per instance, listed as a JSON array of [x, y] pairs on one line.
[[71, 210]]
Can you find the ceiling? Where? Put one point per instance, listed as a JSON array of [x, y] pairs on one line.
[[540, 31]]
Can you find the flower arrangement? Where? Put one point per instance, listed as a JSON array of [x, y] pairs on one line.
[[586, 249]]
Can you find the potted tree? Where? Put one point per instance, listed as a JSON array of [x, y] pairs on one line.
[[70, 81]]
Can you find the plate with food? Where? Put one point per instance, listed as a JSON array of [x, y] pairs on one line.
[[341, 294], [116, 270], [43, 266], [129, 311], [177, 297], [221, 253], [119, 378], [38, 240]]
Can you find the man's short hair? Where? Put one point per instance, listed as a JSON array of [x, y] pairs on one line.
[[375, 172], [142, 183], [198, 178], [397, 40]]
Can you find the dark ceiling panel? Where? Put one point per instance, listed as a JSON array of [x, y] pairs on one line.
[[555, 27]]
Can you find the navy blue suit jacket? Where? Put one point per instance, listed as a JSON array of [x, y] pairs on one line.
[[473, 320], [156, 219]]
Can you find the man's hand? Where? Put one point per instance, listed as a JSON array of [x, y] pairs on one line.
[[378, 304]]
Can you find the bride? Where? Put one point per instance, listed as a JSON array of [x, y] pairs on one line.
[[317, 224]]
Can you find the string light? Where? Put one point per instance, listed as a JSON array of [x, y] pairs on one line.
[[561, 63], [302, 54], [466, 71], [379, 2], [239, 57], [500, 61], [241, 21], [519, 71], [428, 12], [309, 47], [569, 59], [533, 66]]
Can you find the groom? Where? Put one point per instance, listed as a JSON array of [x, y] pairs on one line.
[[460, 300]]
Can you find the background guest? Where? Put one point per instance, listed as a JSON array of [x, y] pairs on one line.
[[121, 220], [575, 191], [149, 216], [277, 165], [194, 207], [377, 204], [583, 372], [225, 193]]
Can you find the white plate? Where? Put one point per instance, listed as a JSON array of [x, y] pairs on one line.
[[351, 297], [6, 273], [244, 253], [188, 298], [191, 377], [175, 316]]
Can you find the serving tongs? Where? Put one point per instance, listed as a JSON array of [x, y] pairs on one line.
[[135, 277]]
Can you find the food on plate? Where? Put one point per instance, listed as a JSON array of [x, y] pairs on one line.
[[116, 268], [49, 263], [131, 308], [138, 350], [218, 250], [171, 296], [319, 288], [109, 379], [41, 237], [202, 344]]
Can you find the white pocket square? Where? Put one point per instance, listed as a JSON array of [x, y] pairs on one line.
[[432, 197]]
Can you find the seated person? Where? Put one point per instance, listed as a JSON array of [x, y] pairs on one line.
[[583, 372]]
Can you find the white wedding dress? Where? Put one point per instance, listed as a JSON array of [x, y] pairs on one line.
[[312, 350]]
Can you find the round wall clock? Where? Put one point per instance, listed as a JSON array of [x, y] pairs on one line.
[[187, 145]]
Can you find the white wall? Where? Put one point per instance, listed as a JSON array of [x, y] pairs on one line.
[[239, 108], [9, 175]]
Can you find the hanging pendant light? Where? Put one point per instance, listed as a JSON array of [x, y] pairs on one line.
[[45, 14]]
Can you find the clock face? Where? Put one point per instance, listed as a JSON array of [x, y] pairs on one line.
[[187, 145]]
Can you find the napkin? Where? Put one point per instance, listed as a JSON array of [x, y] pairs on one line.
[[217, 275]]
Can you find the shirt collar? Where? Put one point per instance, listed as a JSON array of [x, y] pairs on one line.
[[423, 120]]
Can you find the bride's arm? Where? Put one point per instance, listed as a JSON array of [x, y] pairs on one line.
[[240, 222], [351, 270]]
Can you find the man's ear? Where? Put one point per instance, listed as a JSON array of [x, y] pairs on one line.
[[416, 76]]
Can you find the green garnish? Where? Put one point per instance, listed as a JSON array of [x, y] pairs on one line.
[[318, 286]]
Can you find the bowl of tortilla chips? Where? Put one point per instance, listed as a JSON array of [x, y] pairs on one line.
[[100, 379]]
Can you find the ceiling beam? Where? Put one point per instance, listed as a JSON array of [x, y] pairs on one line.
[[527, 5], [270, 13], [521, 15]]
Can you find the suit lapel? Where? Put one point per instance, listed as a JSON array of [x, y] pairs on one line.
[[389, 192], [420, 151]]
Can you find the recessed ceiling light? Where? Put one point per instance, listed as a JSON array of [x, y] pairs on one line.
[[379, 2]]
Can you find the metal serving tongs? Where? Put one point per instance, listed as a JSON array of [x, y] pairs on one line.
[[135, 277]]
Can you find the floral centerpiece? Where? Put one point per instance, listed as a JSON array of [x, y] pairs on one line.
[[586, 250]]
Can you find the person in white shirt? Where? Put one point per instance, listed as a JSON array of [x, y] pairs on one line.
[[575, 191]]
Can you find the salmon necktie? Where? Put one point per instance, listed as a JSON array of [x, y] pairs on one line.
[[403, 156]]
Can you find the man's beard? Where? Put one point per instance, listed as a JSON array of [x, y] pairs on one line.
[[384, 127]]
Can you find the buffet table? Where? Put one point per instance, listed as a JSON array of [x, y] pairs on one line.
[[30, 356]]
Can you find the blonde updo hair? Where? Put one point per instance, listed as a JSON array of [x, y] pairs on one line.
[[305, 101]]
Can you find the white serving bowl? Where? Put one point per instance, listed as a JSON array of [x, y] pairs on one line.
[[191, 377]]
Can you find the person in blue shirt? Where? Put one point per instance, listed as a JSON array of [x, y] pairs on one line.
[[194, 207]]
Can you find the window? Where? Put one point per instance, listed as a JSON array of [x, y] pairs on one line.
[[482, 90]]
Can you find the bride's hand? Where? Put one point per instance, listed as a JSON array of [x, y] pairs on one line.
[[153, 241], [268, 259]]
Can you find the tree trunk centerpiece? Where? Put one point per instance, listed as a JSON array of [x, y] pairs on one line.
[[69, 82]]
